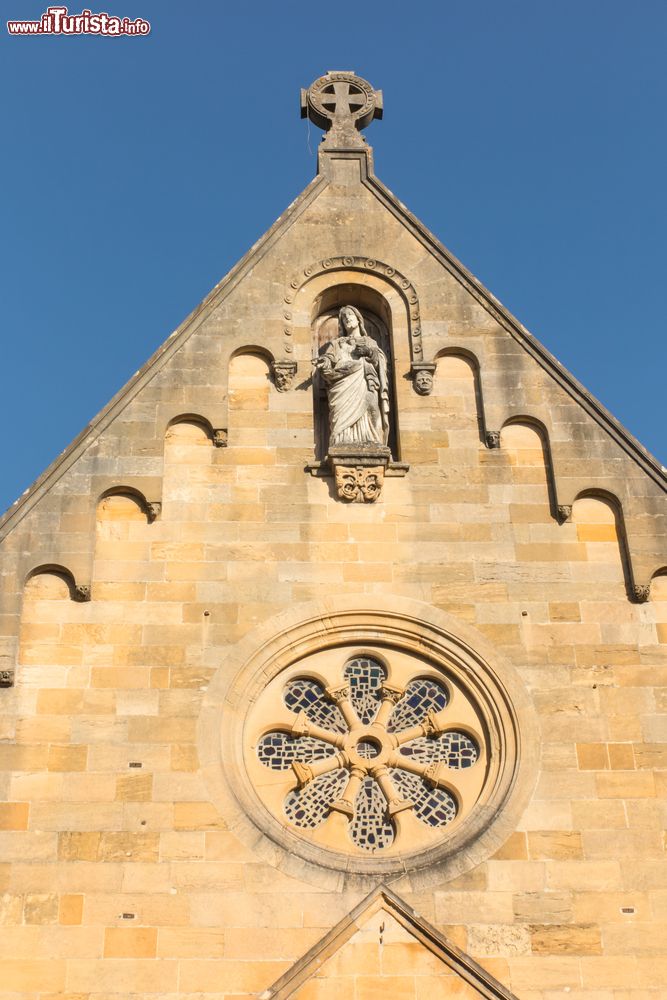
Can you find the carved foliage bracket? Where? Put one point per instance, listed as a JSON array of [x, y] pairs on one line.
[[358, 471]]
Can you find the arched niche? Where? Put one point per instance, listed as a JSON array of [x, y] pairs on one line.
[[49, 641], [377, 316], [188, 427], [188, 457], [599, 528], [121, 538], [526, 444], [48, 583], [249, 396], [456, 385]]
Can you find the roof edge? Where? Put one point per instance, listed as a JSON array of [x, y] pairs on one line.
[[633, 448], [59, 466]]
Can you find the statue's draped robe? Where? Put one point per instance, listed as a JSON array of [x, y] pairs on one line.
[[358, 393]]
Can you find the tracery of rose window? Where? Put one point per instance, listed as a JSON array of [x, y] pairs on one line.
[[391, 762]]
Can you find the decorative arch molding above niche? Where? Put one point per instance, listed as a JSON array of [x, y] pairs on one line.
[[386, 302], [387, 274], [443, 821]]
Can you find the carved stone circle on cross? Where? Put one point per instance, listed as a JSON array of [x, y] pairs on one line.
[[342, 104]]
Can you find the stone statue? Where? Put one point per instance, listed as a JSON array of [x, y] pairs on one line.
[[354, 370]]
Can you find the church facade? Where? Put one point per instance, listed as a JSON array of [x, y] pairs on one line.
[[334, 650]]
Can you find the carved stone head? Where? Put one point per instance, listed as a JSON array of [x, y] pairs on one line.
[[350, 322], [283, 379], [423, 382], [283, 374]]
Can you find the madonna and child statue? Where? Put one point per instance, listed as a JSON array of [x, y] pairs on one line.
[[354, 371]]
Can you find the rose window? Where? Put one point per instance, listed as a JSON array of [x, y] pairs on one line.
[[371, 754]]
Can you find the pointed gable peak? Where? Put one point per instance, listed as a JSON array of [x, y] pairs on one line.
[[383, 944]]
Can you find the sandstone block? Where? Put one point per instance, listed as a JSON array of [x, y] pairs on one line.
[[130, 942], [238, 977], [197, 816], [562, 845], [514, 849], [40, 908], [67, 758], [22, 975], [70, 910], [626, 785], [14, 815], [568, 939]]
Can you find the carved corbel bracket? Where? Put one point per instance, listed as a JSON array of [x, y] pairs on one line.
[[564, 512], [6, 678], [283, 374], [641, 592], [359, 471], [153, 510], [421, 373], [492, 439], [220, 437]]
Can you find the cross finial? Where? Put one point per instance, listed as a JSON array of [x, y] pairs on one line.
[[342, 104]]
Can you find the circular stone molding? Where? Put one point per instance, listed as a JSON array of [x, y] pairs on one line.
[[399, 281], [357, 96], [343, 740]]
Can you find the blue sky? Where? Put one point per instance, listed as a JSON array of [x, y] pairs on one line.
[[527, 135]]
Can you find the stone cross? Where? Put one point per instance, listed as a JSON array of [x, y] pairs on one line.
[[342, 104], [346, 98]]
